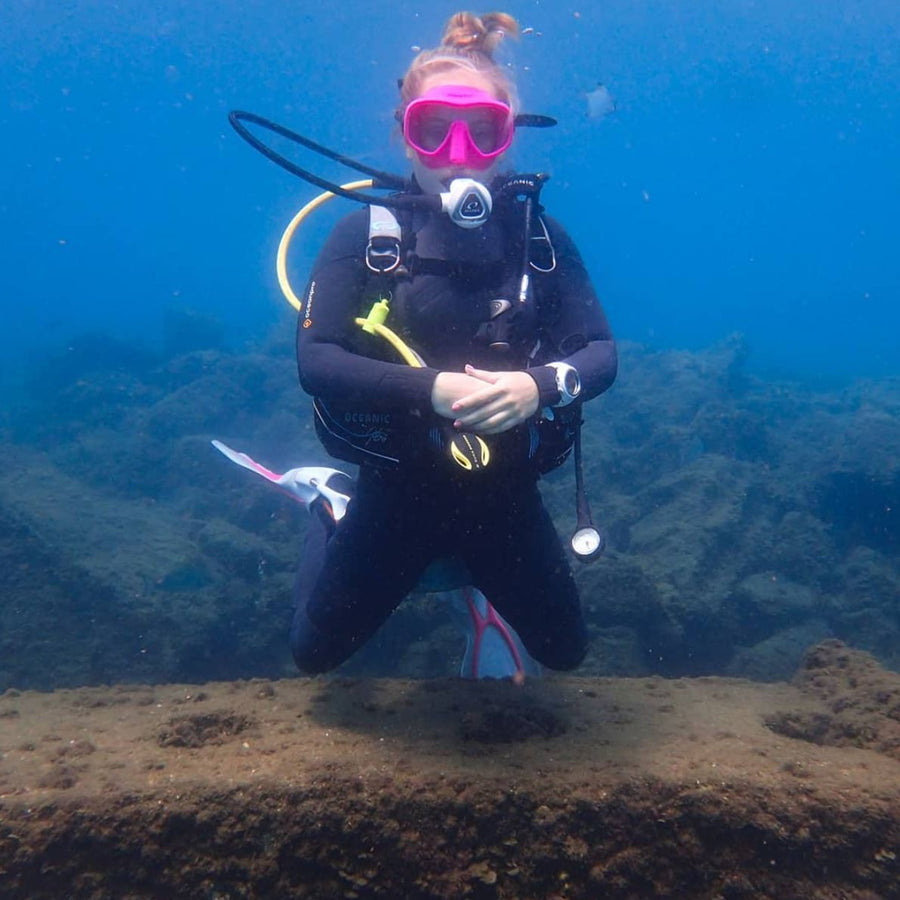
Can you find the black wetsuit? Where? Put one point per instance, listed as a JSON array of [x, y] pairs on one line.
[[402, 518]]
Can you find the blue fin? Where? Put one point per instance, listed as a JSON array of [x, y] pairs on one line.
[[493, 649]]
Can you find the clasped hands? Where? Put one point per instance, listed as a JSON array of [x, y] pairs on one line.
[[485, 402]]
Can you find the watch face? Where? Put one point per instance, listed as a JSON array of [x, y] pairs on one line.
[[572, 383]]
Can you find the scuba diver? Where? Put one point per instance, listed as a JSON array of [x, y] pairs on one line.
[[449, 335]]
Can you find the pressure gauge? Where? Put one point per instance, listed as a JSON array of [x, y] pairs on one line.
[[587, 543]]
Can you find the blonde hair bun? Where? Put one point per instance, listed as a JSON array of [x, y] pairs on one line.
[[469, 42], [478, 34]]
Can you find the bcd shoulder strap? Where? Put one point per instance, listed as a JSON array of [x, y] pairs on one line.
[[383, 250]]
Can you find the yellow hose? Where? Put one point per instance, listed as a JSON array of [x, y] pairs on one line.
[[410, 357], [285, 242]]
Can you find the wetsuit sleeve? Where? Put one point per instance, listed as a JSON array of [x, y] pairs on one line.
[[328, 358], [578, 330]]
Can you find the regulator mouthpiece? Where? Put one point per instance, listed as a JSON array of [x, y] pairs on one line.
[[468, 202]]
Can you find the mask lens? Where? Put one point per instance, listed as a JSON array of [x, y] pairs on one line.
[[428, 125], [430, 128], [487, 129]]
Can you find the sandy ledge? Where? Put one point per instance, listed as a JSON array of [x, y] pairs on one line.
[[566, 787]]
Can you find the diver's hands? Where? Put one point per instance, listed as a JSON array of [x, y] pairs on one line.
[[450, 387], [485, 402], [501, 401]]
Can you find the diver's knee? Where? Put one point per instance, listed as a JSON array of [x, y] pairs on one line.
[[312, 657], [564, 657], [309, 665], [310, 645]]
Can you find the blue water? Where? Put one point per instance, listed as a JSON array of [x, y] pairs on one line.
[[748, 181]]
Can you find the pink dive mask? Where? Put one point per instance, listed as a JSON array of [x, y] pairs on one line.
[[455, 125]]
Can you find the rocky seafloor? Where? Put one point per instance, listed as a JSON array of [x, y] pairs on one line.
[[746, 520], [431, 789]]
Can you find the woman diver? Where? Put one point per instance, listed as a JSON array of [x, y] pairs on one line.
[[508, 340]]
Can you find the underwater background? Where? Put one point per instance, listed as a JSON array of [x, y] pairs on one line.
[[738, 210], [747, 180]]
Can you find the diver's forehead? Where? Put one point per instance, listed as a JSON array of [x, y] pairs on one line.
[[462, 76]]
